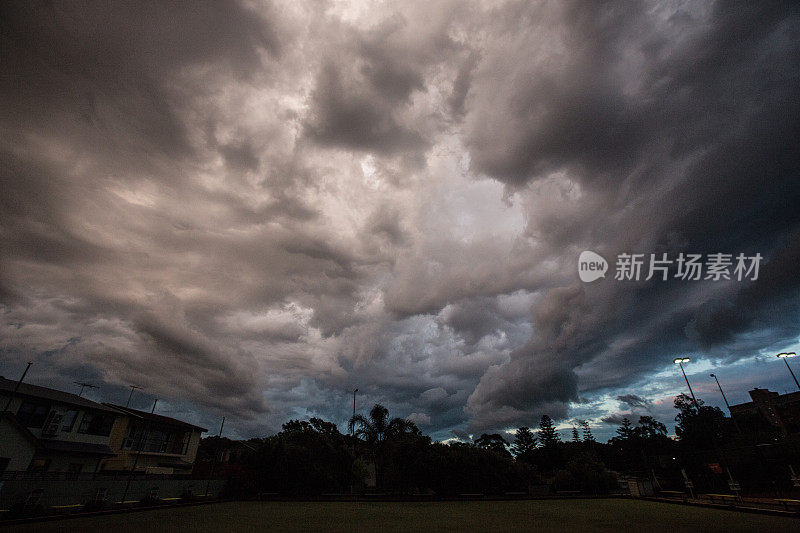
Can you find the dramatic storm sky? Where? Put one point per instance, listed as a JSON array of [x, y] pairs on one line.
[[250, 209]]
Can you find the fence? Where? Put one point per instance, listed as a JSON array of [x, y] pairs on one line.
[[54, 493]]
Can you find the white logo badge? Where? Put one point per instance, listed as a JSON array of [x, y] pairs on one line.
[[591, 266]]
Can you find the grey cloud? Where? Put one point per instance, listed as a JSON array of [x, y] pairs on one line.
[[185, 201], [343, 117], [682, 137], [80, 70], [616, 418], [240, 156], [461, 85], [386, 221], [633, 400]]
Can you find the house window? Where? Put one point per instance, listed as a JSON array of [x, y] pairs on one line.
[[180, 443], [32, 415], [96, 424], [69, 420], [133, 439], [157, 442]]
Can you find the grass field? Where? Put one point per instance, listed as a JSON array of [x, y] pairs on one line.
[[542, 515]]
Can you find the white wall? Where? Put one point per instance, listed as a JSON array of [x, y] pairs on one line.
[[14, 446]]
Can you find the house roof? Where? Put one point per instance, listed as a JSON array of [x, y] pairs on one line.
[[154, 418], [27, 390]]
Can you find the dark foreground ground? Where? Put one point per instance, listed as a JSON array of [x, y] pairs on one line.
[[531, 515]]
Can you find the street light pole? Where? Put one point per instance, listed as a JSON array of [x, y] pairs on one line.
[[679, 361], [726, 402], [784, 356]]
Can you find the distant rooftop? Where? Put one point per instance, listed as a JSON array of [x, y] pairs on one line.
[[157, 419], [788, 397], [35, 391]]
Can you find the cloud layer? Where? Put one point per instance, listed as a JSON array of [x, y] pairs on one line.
[[252, 209]]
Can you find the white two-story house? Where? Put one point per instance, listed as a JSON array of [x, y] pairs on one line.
[[47, 430]]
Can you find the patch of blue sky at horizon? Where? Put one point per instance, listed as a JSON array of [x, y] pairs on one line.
[[661, 387]]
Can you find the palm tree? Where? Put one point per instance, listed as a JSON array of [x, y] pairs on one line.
[[379, 428]]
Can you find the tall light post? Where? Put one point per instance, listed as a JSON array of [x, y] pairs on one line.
[[679, 361], [784, 356], [726, 402]]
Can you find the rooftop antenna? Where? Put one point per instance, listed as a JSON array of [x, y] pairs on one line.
[[83, 385], [133, 388], [11, 396]]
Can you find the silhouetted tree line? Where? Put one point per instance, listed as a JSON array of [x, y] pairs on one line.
[[312, 457], [391, 455], [710, 449]]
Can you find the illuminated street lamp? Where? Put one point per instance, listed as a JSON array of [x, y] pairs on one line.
[[784, 356], [679, 361]]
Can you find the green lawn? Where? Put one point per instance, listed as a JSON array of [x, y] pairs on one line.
[[542, 515]]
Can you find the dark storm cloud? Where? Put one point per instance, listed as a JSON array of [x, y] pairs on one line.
[[343, 117], [632, 400], [91, 71], [475, 318], [256, 210], [616, 419], [685, 135], [363, 93], [770, 299], [461, 85]]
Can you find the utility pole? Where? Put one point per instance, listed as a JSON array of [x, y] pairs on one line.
[[142, 442], [214, 463], [16, 388]]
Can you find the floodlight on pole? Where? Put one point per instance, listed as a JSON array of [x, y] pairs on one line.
[[679, 361], [784, 356]]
